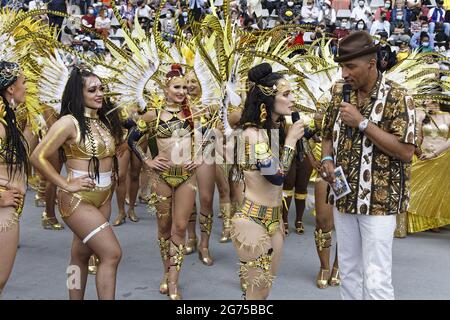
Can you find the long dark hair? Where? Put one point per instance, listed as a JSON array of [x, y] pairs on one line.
[[261, 76], [73, 104], [15, 147]]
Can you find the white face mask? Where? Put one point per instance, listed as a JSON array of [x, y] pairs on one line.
[[425, 44], [310, 6], [360, 26], [91, 11], [105, 14], [387, 5], [185, 14], [168, 16], [425, 29], [290, 3]]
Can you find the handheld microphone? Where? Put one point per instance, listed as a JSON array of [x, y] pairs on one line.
[[346, 90], [307, 135]]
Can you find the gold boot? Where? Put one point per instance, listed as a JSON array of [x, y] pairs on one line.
[[323, 244], [164, 247], [191, 245], [226, 216], [205, 227], [132, 215], [48, 225], [93, 265], [176, 261]]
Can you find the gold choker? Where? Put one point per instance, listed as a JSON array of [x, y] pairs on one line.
[[90, 113]]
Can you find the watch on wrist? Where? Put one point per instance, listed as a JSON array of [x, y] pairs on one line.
[[363, 125]]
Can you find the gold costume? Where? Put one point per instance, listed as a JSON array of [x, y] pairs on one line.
[[7, 225], [429, 180], [95, 145]]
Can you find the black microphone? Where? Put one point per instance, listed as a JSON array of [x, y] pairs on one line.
[[346, 90], [307, 135]]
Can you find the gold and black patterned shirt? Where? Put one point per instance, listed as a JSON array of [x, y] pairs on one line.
[[379, 183]]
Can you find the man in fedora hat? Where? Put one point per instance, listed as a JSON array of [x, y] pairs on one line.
[[372, 138]]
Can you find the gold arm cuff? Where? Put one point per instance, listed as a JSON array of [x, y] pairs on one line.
[[287, 156]]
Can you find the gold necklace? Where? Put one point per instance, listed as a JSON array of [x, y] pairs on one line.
[[90, 113]]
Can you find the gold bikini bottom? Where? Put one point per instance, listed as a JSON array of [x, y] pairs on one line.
[[8, 224], [96, 197], [267, 217], [175, 176]]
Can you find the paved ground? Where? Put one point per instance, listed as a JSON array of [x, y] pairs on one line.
[[420, 269]]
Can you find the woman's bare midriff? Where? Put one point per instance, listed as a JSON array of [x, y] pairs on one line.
[[261, 191]]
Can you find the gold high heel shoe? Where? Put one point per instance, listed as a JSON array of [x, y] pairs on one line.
[[335, 280], [39, 201], [176, 295], [191, 245], [121, 219], [132, 215], [299, 229], [322, 282], [163, 286], [205, 259], [93, 264], [226, 214], [46, 224]]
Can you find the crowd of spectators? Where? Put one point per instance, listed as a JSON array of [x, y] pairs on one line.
[[399, 25]]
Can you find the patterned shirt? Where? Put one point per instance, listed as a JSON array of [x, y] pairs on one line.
[[379, 183]]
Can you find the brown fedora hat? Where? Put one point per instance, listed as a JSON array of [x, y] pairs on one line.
[[356, 44]]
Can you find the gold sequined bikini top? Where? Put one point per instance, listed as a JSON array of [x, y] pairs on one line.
[[431, 130], [166, 129], [100, 145]]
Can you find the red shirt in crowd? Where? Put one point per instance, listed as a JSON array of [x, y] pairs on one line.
[[90, 19], [298, 40]]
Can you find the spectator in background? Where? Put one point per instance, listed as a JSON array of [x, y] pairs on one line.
[[424, 43], [168, 26], [127, 12], [327, 15], [440, 36], [342, 30], [413, 6], [399, 32], [386, 8], [416, 39], [272, 6], [381, 25], [404, 50], [309, 13], [437, 15], [386, 57], [88, 19], [57, 5], [289, 12], [197, 6], [362, 12], [183, 18], [86, 48], [360, 25], [144, 14], [415, 24], [103, 23], [97, 7], [399, 14], [38, 5]]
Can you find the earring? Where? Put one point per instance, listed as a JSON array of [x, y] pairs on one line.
[[13, 103], [263, 113]]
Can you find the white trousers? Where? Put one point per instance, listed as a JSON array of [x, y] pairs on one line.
[[365, 255]]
